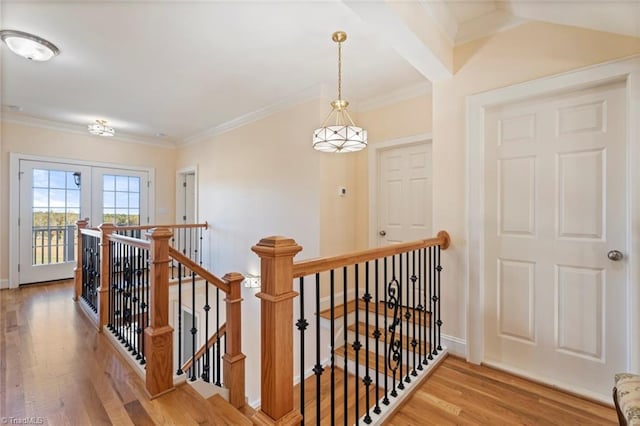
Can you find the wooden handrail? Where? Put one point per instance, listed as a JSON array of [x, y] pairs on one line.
[[314, 266], [190, 264], [143, 244], [172, 226], [218, 334]]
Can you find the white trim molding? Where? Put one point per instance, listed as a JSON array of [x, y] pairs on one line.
[[4, 284], [627, 70], [374, 152]]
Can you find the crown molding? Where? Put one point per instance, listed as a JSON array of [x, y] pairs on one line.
[[306, 95], [28, 120], [409, 92]]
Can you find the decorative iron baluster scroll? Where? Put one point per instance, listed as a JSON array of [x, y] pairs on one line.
[[395, 344]]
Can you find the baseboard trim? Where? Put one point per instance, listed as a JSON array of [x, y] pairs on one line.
[[575, 390], [456, 345], [4, 284]]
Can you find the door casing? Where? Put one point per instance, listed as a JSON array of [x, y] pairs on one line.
[[626, 70]]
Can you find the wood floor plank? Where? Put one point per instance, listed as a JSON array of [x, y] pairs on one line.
[[138, 414], [483, 395]]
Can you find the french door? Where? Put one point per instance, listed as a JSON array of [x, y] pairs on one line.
[[52, 198], [53, 195]]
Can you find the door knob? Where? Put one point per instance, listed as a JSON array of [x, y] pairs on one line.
[[382, 233], [615, 255]]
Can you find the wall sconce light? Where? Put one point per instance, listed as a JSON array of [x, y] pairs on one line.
[[76, 178], [252, 281]]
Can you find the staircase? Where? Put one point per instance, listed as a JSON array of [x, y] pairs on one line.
[[372, 330]]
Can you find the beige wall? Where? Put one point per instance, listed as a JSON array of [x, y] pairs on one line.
[[264, 179], [18, 138], [521, 54]]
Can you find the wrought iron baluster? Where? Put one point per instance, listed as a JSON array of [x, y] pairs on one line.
[[302, 324], [414, 341], [385, 400], [367, 377], [400, 322], [377, 335], [206, 374], [333, 344], [345, 373], [218, 338], [432, 329], [439, 269], [356, 345], [194, 330], [317, 369], [394, 357], [179, 372]]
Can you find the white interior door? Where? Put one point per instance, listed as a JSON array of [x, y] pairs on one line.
[[404, 193], [556, 205], [50, 203], [186, 198]]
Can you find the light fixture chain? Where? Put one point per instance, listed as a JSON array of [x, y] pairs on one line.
[[339, 71]]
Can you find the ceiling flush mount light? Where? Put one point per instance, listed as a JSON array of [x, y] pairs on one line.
[[100, 128], [29, 46], [343, 135]]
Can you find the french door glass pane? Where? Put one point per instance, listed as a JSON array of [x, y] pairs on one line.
[[56, 208], [121, 199]]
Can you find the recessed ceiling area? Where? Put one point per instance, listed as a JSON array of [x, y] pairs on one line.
[[167, 72]]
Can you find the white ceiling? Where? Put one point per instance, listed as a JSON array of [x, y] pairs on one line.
[[191, 68]]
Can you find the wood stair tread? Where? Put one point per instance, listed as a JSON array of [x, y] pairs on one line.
[[362, 356], [361, 331], [339, 310], [215, 409]]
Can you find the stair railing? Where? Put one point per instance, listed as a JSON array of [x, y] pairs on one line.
[[377, 310], [123, 284]]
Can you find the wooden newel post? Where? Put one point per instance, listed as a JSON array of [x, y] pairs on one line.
[[234, 358], [77, 271], [158, 336], [276, 392], [106, 229]]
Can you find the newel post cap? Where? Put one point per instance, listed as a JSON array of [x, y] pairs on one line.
[[82, 223], [160, 233], [276, 246]]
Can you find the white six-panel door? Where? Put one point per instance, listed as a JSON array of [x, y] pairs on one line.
[[555, 202], [404, 193]]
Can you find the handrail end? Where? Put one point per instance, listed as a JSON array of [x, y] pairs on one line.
[[446, 239]]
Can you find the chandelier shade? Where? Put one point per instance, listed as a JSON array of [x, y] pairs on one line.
[[342, 135]]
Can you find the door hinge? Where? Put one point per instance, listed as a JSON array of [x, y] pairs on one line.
[[184, 184], [147, 219], [18, 221], [18, 267], [148, 184], [184, 218]]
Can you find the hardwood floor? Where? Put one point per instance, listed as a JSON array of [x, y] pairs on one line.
[[458, 393], [55, 369]]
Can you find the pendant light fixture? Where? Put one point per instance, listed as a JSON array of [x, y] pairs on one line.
[[100, 128], [343, 135], [29, 46]]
